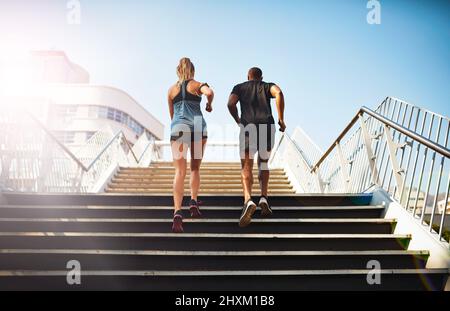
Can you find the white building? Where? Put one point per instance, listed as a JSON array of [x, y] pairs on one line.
[[442, 206], [60, 95]]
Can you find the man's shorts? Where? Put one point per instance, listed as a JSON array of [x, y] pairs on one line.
[[257, 138]]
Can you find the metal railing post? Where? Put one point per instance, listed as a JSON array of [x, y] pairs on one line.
[[444, 212], [344, 167], [370, 155], [392, 147], [430, 176]]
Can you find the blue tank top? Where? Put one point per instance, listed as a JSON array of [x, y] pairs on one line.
[[187, 113]]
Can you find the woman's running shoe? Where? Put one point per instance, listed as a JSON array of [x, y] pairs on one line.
[[194, 209], [177, 223]]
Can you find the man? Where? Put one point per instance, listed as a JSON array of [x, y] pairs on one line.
[[257, 135]]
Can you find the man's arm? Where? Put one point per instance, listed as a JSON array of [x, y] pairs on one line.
[[232, 107], [276, 92]]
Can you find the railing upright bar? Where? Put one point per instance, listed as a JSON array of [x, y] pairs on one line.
[[405, 144], [50, 134], [272, 156], [130, 148], [435, 202], [410, 153], [344, 168], [392, 153], [392, 137], [396, 151], [370, 155], [362, 171], [424, 161], [415, 163], [444, 212], [430, 176], [385, 158]]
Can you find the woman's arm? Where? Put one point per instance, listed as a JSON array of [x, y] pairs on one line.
[[209, 93], [170, 102]]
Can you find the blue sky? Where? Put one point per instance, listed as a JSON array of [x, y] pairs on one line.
[[328, 60]]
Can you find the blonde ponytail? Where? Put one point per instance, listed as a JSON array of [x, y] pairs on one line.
[[185, 70]]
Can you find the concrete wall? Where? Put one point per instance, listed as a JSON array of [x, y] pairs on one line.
[[88, 95], [421, 237], [2, 199]]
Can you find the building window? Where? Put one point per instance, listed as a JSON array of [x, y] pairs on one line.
[[65, 111], [93, 112], [66, 138], [116, 115], [89, 135], [111, 112], [102, 112]]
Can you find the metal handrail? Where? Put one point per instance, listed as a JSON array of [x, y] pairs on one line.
[[421, 139], [61, 145], [364, 110], [105, 148], [62, 169], [299, 151], [420, 108], [151, 143], [400, 148], [74, 157]]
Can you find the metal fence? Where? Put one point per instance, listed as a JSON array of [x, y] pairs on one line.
[[33, 160], [399, 147]]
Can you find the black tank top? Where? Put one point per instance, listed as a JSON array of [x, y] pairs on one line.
[[189, 96]]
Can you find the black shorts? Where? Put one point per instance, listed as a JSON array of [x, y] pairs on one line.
[[188, 137], [257, 138]]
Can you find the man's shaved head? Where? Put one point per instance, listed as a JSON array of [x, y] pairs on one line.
[[255, 74]]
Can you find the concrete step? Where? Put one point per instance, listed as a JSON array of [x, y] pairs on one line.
[[224, 172], [204, 179], [203, 186], [167, 200], [204, 164], [187, 191], [202, 241], [139, 225], [221, 280], [218, 170], [224, 176], [97, 259], [92, 211]]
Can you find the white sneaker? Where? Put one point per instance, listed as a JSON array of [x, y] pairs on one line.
[[266, 211], [247, 213]]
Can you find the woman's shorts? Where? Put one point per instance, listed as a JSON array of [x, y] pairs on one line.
[[188, 137]]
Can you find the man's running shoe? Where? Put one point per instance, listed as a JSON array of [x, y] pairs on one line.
[[266, 211], [247, 213]]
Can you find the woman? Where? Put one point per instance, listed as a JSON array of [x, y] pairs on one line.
[[188, 131]]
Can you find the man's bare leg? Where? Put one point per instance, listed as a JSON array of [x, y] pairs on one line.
[[247, 184], [247, 176], [264, 176]]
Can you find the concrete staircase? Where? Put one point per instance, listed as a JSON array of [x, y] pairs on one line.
[[123, 241], [217, 178]]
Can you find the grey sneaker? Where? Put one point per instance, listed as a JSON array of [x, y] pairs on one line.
[[266, 211], [247, 213]]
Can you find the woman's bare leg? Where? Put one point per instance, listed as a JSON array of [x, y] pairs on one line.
[[179, 152], [197, 151]]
